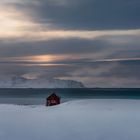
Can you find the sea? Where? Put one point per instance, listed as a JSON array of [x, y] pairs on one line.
[[38, 96]]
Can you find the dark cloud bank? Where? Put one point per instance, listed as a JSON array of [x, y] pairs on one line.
[[86, 14]]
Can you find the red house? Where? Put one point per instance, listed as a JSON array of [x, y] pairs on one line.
[[53, 99]]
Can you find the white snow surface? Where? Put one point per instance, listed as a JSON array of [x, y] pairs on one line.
[[90, 119]]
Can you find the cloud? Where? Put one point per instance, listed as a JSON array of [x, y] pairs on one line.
[[119, 73], [107, 74], [85, 14], [47, 20], [96, 42], [104, 47]]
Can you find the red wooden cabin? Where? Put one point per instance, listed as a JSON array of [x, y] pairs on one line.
[[53, 99]]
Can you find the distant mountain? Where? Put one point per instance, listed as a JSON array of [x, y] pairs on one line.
[[20, 82]]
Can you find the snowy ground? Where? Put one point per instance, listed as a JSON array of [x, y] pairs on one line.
[[94, 119]]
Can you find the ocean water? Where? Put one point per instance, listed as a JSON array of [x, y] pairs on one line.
[[38, 96]]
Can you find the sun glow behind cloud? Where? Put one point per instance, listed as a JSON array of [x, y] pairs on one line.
[[37, 59], [43, 58]]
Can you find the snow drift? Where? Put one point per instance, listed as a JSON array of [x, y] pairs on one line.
[[94, 119]]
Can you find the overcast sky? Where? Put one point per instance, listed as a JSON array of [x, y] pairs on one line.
[[92, 41]]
